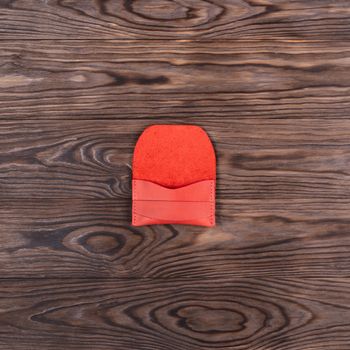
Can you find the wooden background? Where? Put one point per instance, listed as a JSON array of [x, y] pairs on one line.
[[270, 82]]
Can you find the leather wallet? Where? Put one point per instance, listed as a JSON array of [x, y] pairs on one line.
[[174, 174]]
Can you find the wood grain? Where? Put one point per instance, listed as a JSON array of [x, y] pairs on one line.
[[103, 79], [270, 82], [187, 19], [94, 239], [257, 158], [254, 314]]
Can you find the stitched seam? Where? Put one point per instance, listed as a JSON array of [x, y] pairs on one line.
[[134, 202], [212, 203], [172, 221]]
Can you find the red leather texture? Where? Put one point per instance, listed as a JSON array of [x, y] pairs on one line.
[[174, 155], [174, 172], [192, 204]]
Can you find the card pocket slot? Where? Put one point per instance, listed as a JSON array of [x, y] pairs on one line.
[[192, 204]]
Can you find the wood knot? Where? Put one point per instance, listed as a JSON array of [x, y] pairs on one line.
[[173, 13], [209, 320], [160, 10], [104, 243]]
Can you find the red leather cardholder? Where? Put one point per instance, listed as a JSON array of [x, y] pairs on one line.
[[174, 172]]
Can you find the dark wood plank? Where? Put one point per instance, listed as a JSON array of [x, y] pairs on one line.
[[93, 238], [147, 79], [154, 19], [247, 314], [269, 80], [257, 158]]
